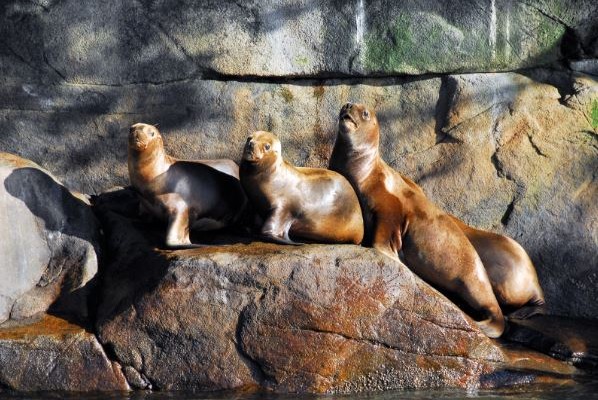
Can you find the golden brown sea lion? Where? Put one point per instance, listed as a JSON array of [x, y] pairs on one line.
[[402, 218], [186, 194], [511, 271], [309, 203]]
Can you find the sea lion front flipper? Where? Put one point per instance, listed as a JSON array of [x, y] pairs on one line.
[[277, 226], [279, 240], [187, 246], [178, 229]]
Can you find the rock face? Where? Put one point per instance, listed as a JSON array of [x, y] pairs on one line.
[[520, 157], [312, 318], [52, 354], [50, 243], [115, 42]]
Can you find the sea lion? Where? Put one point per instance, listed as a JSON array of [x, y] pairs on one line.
[[309, 203], [402, 218], [186, 194], [511, 271]]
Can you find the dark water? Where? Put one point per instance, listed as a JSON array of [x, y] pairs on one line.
[[576, 392]]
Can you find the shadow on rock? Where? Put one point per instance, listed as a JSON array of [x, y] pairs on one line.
[[72, 235]]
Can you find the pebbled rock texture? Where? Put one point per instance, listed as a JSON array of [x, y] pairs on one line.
[[312, 318], [50, 243]]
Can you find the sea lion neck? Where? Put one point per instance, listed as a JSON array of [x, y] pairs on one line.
[[355, 160], [150, 162]]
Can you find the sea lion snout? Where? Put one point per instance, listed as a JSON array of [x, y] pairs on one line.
[[260, 145], [249, 149], [346, 108], [141, 134], [347, 118]]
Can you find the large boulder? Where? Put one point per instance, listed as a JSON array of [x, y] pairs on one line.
[[115, 42], [313, 318], [50, 243], [52, 354]]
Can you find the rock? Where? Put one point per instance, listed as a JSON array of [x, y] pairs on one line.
[[115, 42], [53, 354], [312, 318], [50, 243]]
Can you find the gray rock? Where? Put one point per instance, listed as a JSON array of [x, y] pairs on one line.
[[312, 318], [115, 42], [53, 354], [50, 243]]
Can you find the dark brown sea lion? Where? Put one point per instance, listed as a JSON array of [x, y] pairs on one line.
[[402, 218], [187, 194], [309, 203], [511, 271]]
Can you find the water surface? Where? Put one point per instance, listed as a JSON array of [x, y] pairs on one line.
[[579, 391]]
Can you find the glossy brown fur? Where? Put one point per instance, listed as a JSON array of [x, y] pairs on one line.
[[401, 217], [309, 203], [188, 195], [511, 272]]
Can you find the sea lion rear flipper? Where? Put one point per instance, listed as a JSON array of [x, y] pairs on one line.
[[527, 311]]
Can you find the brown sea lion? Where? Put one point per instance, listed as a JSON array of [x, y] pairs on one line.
[[402, 218], [309, 203], [511, 271], [187, 194]]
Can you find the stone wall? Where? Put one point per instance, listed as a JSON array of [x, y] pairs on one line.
[[516, 152]]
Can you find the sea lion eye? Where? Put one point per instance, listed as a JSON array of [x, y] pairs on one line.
[[267, 146], [366, 115]]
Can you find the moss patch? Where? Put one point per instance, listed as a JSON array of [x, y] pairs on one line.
[[301, 61], [421, 42], [286, 94]]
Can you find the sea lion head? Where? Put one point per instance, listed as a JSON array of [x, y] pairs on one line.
[[359, 125], [143, 137], [262, 148]]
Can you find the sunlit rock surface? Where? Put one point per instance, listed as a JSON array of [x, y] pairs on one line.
[[50, 243], [50, 353]]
